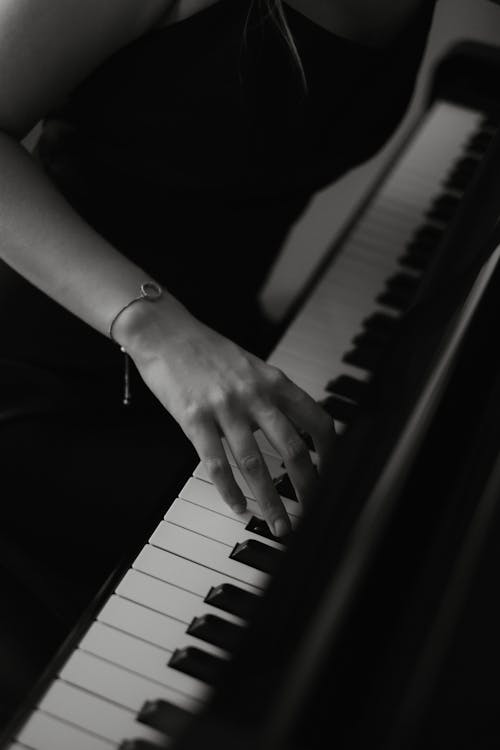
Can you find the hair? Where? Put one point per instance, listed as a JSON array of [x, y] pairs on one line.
[[273, 10]]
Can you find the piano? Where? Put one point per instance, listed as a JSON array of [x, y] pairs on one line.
[[218, 635]]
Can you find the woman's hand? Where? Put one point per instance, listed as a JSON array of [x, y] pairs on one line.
[[213, 388]]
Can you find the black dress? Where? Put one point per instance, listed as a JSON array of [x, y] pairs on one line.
[[192, 151]]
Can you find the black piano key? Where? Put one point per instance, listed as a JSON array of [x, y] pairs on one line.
[[371, 338], [459, 180], [414, 260], [366, 358], [232, 599], [396, 299], [165, 717], [444, 208], [421, 253], [467, 165], [257, 555], [424, 244], [138, 745], [199, 664], [380, 322], [428, 234], [490, 123], [260, 527], [285, 487], [403, 282], [348, 387], [216, 631], [337, 408], [480, 143]]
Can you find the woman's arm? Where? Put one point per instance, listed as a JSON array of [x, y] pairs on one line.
[[210, 385]]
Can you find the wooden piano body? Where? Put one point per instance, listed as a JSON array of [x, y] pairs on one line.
[[374, 625]]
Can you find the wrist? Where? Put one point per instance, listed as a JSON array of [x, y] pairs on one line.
[[147, 324]]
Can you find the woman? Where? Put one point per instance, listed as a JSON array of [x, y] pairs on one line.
[[181, 139]]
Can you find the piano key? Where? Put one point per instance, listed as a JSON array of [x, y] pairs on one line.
[[207, 552], [260, 528], [339, 409], [207, 523], [365, 358], [480, 143], [162, 597], [257, 555], [347, 387], [404, 283], [233, 599], [201, 473], [415, 260], [45, 732], [142, 622], [380, 322], [182, 572], [286, 488], [459, 179], [444, 208], [370, 338], [165, 717], [93, 714], [216, 631], [199, 664], [205, 494], [116, 684], [139, 745], [398, 300], [142, 658]]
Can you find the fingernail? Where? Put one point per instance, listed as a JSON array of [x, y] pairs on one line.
[[281, 527]]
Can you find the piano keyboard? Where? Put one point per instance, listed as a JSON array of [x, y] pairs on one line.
[[160, 643]]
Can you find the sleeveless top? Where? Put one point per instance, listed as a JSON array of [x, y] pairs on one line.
[[193, 150]]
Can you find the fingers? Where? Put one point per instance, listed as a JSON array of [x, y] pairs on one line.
[[284, 437], [252, 465], [205, 437], [309, 417]]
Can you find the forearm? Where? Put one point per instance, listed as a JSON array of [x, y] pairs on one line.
[[48, 243]]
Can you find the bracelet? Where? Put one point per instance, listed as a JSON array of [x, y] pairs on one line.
[[150, 292]]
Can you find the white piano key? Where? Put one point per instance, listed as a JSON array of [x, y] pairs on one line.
[[118, 685], [95, 715], [182, 572], [214, 555], [247, 492], [274, 465], [140, 657], [44, 732], [165, 598], [205, 494], [213, 525], [155, 628]]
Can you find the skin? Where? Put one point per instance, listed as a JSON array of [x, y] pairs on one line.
[[211, 386]]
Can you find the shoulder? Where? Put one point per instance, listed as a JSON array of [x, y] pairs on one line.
[[47, 48]]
